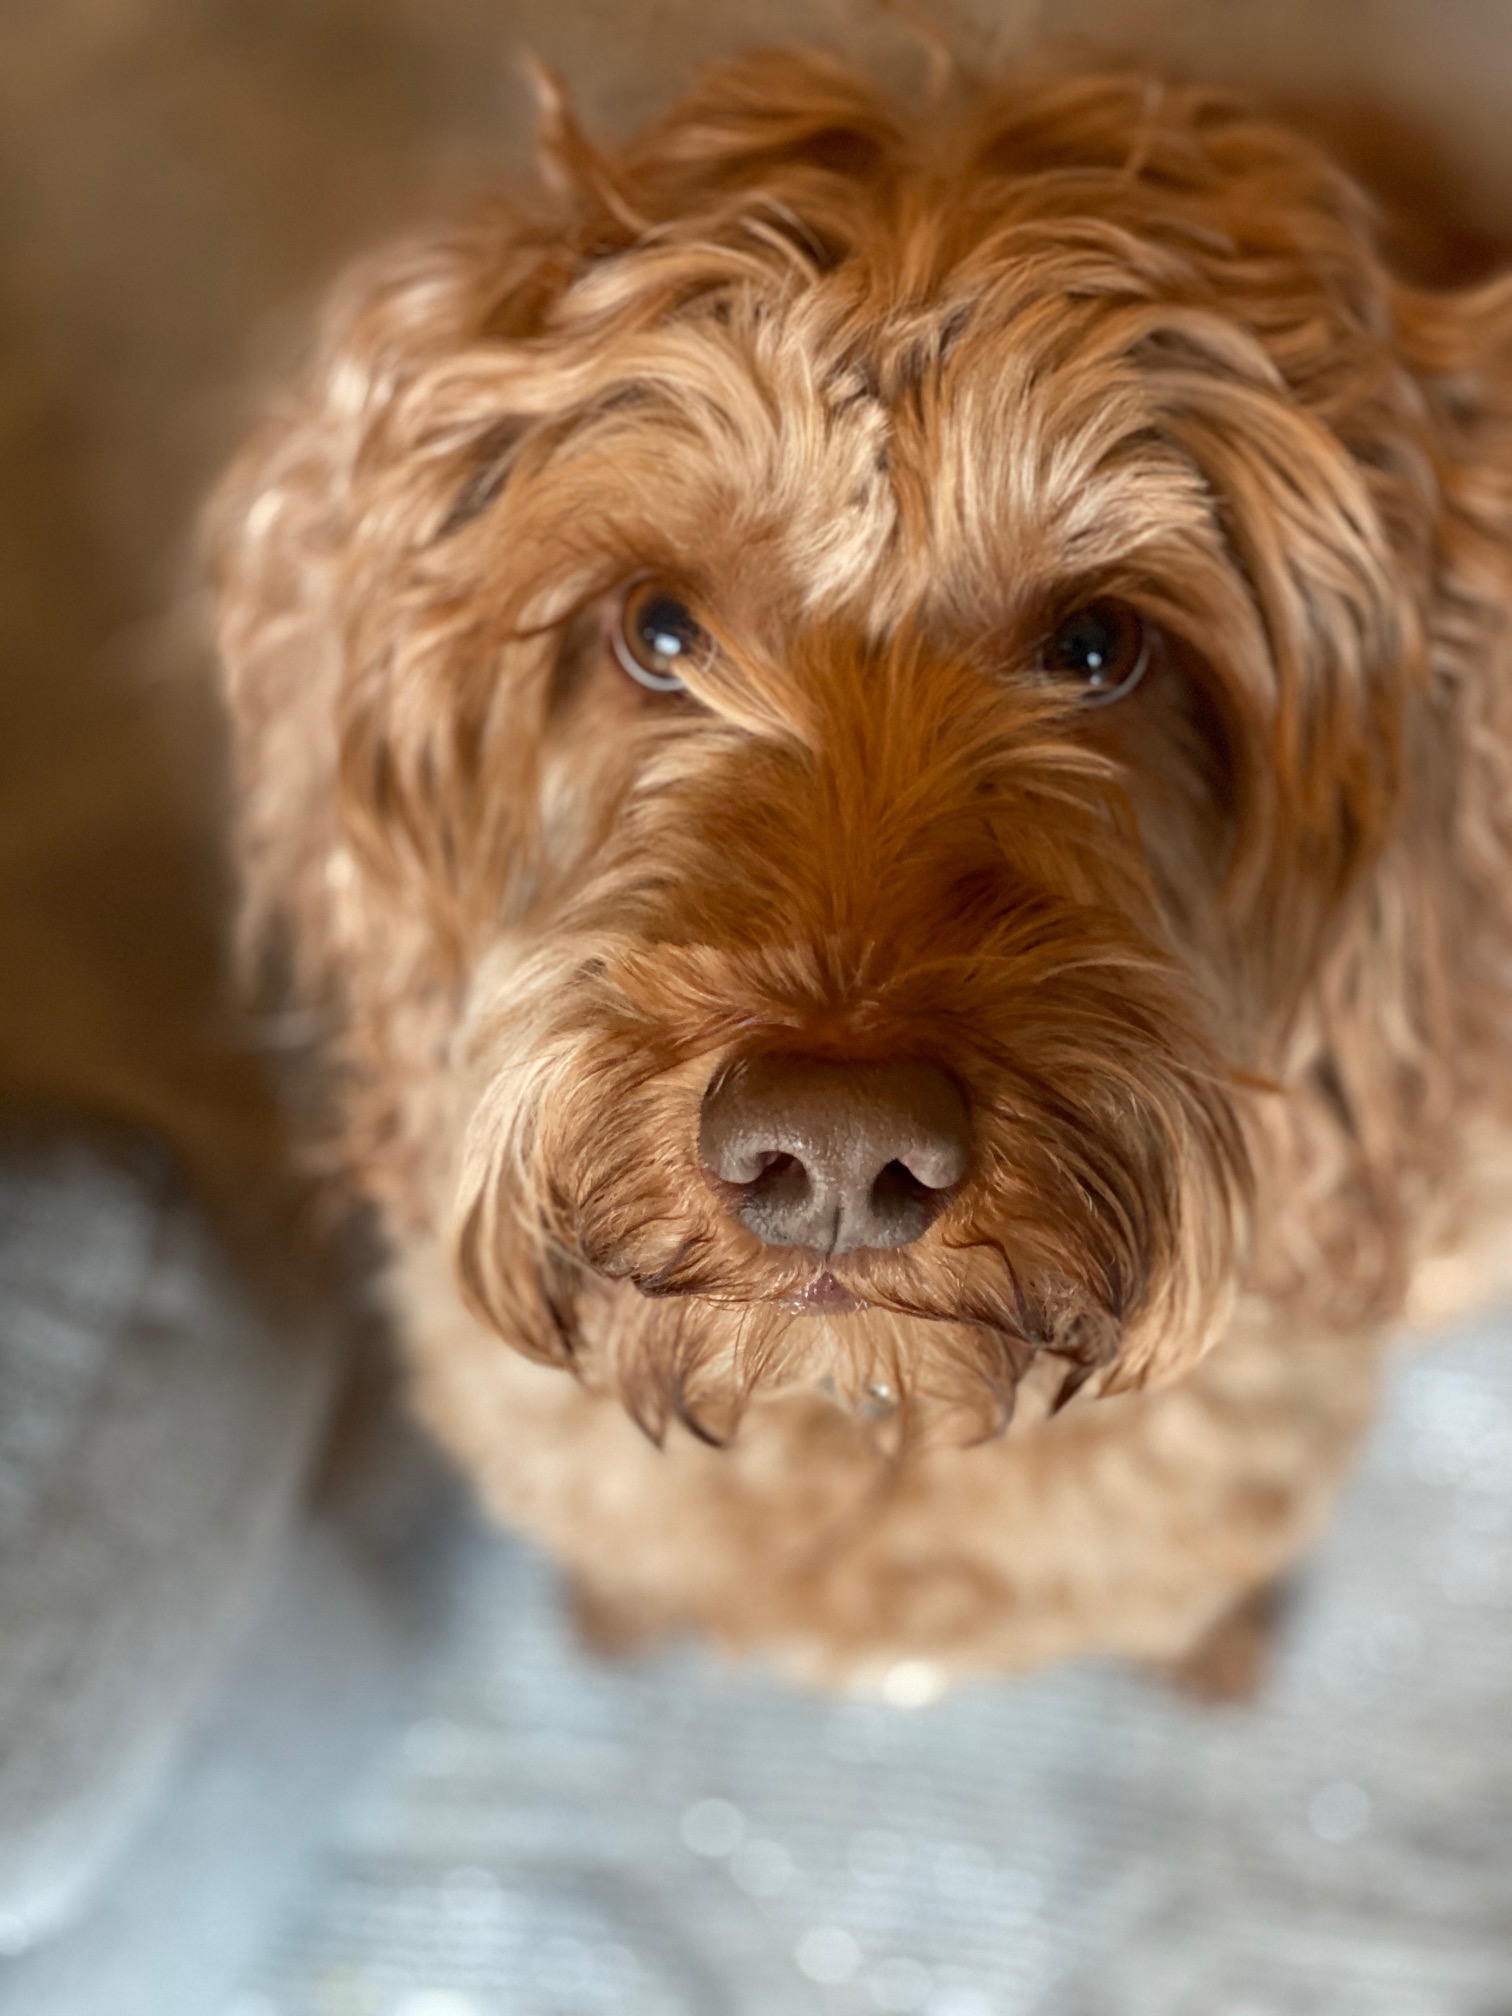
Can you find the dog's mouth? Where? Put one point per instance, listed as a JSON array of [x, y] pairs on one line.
[[825, 1295], [820, 1309], [1039, 1314]]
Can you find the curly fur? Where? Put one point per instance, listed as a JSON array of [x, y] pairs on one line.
[[1223, 968]]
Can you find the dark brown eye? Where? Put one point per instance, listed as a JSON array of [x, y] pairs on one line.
[[1102, 649], [656, 636]]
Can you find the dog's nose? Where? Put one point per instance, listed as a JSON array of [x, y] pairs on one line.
[[835, 1156]]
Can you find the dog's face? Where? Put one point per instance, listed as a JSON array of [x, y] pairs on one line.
[[882, 653]]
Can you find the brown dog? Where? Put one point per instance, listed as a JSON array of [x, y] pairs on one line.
[[885, 740]]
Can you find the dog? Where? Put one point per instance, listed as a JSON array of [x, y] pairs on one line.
[[880, 741]]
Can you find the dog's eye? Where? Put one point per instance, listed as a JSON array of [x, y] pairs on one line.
[[657, 637], [1103, 649]]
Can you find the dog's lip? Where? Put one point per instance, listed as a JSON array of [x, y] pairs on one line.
[[824, 1296]]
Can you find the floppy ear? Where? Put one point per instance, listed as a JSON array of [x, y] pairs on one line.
[[1403, 1055], [316, 536], [1459, 346]]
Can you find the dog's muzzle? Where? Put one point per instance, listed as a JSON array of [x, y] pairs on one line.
[[834, 1157]]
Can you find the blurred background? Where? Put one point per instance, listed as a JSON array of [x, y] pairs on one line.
[[363, 1769]]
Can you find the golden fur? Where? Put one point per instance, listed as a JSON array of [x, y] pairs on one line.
[[1223, 967]]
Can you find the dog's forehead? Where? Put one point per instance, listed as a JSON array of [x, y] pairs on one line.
[[977, 399], [954, 450]]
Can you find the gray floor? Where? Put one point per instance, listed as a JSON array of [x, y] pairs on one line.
[[557, 1837]]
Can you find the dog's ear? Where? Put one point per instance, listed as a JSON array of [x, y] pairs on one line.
[[1401, 1049], [356, 658], [1458, 347]]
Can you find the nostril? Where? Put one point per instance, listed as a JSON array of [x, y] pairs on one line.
[[897, 1184], [744, 1163], [778, 1202], [779, 1176], [899, 1207]]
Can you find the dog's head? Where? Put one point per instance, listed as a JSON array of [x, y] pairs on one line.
[[856, 668]]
